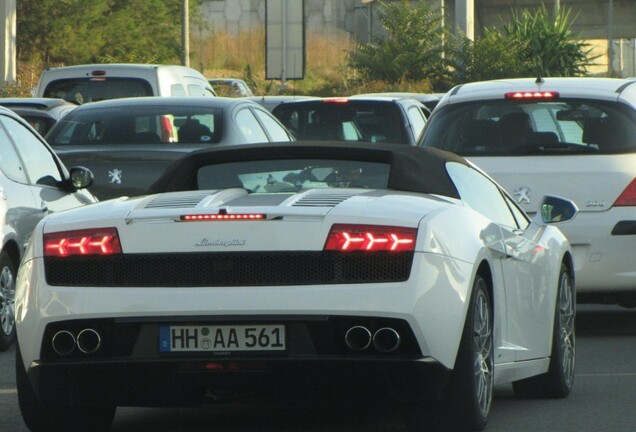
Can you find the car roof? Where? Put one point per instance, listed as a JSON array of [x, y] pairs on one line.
[[210, 102], [413, 169], [35, 103], [422, 97], [570, 87]]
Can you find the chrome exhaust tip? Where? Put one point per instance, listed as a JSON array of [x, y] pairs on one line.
[[63, 342], [386, 340], [88, 341], [358, 338]]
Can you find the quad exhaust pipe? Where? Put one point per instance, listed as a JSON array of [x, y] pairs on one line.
[[64, 342], [384, 340]]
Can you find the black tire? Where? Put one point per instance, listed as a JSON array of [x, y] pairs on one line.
[[558, 381], [43, 418], [468, 397], [7, 301]]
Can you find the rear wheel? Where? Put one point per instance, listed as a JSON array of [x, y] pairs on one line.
[[7, 301], [467, 400], [558, 381], [64, 418]]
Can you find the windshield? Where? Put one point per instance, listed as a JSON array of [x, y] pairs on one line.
[[272, 176], [139, 125], [340, 121], [83, 90], [506, 128]]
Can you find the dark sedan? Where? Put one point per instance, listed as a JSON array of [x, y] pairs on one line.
[[128, 142], [41, 113], [371, 119]]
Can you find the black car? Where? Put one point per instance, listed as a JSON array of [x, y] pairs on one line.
[[371, 119], [41, 113], [128, 142]]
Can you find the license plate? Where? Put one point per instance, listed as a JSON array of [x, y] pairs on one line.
[[215, 338]]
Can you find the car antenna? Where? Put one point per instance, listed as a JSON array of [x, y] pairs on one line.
[[539, 80]]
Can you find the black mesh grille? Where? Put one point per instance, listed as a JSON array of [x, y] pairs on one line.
[[229, 269]]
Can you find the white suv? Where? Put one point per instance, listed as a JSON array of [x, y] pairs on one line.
[[570, 137]]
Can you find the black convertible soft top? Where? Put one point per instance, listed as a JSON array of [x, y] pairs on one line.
[[413, 169]]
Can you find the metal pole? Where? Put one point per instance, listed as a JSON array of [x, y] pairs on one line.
[[185, 34], [370, 24], [610, 39], [283, 73]]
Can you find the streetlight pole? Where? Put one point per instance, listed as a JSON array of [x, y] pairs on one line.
[[610, 39], [185, 34]]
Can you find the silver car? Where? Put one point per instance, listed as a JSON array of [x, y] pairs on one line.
[[33, 183]]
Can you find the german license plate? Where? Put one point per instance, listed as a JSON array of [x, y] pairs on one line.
[[215, 338]]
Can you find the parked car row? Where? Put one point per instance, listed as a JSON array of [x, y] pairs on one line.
[[487, 204]]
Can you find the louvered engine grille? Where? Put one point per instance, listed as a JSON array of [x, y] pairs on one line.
[[228, 269]]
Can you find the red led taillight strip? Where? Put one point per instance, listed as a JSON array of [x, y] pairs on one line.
[[532, 95], [370, 238], [100, 241], [221, 217]]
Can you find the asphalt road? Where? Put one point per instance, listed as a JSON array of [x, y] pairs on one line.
[[602, 399]]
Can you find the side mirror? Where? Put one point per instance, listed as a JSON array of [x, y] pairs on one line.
[[555, 209], [81, 177]]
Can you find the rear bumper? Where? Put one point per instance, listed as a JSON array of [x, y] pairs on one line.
[[194, 381], [129, 368]]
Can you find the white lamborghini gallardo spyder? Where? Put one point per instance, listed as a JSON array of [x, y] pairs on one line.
[[290, 269]]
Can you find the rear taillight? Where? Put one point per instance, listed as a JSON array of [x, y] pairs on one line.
[[628, 197], [534, 95], [101, 241], [370, 238], [337, 100]]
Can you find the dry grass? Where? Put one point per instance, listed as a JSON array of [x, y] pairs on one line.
[[243, 56]]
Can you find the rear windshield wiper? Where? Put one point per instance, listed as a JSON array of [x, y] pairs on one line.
[[564, 147]]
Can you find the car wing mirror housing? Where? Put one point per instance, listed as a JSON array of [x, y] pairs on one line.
[[555, 209], [81, 177]]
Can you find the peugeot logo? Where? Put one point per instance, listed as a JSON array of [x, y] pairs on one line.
[[523, 195]]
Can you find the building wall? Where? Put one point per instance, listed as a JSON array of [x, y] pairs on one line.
[[590, 19]]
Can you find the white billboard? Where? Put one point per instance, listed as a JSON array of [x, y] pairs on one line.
[[284, 39]]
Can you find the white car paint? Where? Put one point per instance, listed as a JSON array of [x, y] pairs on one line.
[[603, 262]]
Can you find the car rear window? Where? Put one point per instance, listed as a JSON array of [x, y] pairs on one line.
[[344, 121], [139, 125], [509, 128], [293, 175], [83, 90]]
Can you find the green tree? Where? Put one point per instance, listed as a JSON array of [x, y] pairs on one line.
[[55, 31], [412, 49], [83, 31], [551, 47], [490, 56]]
